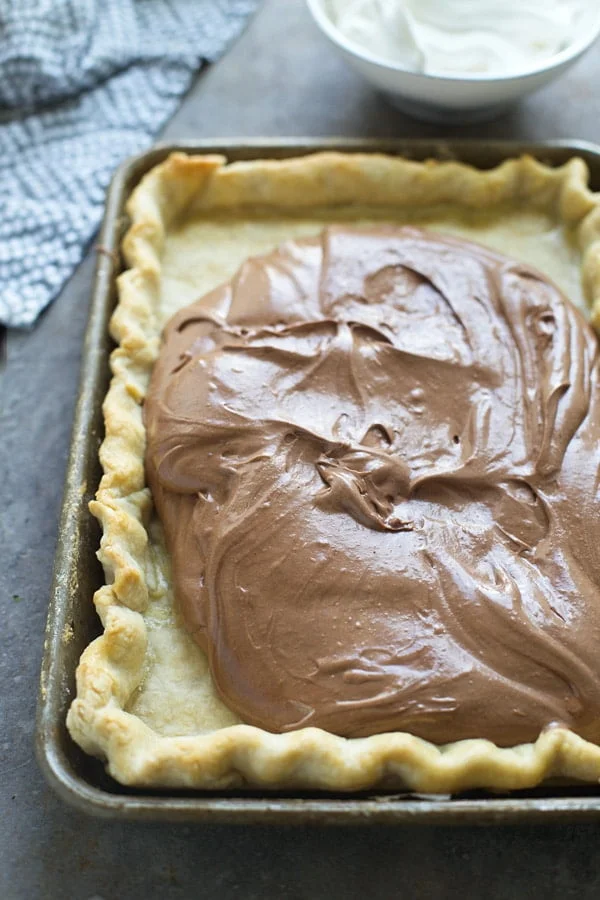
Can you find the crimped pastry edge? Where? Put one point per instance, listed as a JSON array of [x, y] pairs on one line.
[[114, 665]]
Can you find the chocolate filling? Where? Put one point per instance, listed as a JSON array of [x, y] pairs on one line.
[[375, 454]]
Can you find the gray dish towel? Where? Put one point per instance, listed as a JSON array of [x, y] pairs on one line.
[[84, 84]]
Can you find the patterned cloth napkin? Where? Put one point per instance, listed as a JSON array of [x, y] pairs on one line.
[[83, 84]]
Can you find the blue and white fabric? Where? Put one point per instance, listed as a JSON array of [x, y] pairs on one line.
[[84, 84]]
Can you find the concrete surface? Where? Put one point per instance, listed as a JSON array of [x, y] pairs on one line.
[[279, 79]]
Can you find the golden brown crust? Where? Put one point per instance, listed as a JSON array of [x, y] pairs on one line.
[[218, 752]]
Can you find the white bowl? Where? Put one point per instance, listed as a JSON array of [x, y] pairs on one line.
[[438, 98]]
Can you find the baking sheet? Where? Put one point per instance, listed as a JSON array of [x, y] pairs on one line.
[[72, 620]]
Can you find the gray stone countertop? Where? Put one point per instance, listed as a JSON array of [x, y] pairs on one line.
[[279, 79]]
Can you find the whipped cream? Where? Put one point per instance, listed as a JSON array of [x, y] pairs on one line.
[[461, 37]]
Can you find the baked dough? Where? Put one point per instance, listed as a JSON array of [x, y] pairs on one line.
[[145, 701]]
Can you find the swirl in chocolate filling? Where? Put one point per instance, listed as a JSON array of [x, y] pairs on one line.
[[376, 454]]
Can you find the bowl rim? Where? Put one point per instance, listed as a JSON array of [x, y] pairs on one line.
[[569, 54]]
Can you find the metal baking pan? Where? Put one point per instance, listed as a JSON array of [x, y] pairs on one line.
[[72, 620]]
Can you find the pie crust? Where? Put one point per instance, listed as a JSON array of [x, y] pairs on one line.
[[145, 701]]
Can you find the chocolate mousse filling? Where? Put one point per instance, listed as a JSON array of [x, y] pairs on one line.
[[375, 454]]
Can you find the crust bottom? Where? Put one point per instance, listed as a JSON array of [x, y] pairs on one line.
[[145, 701]]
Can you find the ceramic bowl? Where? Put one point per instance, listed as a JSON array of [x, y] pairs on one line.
[[451, 99]]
